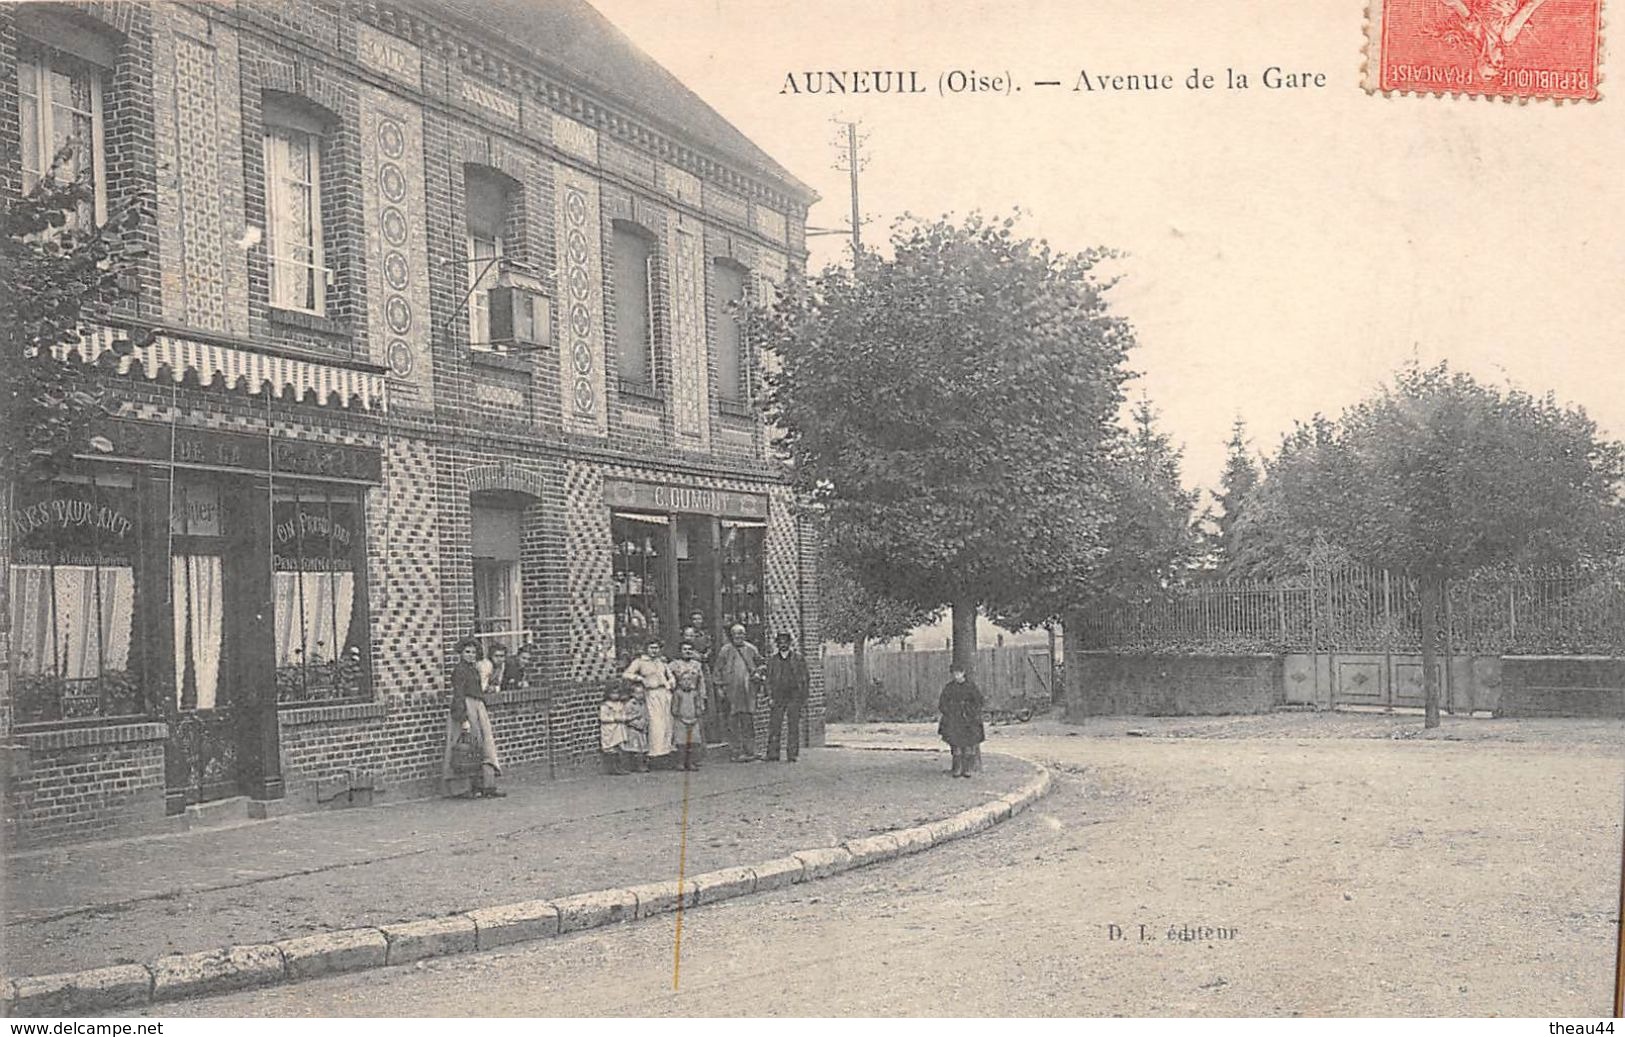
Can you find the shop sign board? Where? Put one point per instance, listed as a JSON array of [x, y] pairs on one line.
[[694, 500], [212, 448]]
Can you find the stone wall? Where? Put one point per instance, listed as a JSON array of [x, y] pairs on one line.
[[1562, 686], [1104, 684]]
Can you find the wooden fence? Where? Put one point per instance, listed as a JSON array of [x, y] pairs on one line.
[[905, 684]]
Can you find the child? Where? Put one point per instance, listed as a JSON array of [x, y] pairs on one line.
[[612, 730], [635, 750], [687, 705], [961, 724]]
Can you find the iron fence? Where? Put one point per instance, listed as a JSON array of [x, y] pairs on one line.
[[1553, 612]]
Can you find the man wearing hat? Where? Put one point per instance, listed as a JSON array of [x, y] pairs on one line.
[[787, 686]]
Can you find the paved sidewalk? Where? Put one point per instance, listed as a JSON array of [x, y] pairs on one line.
[[90, 905]]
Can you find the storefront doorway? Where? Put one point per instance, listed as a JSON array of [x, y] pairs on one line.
[[679, 552]]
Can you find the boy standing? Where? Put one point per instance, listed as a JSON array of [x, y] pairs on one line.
[[688, 704]]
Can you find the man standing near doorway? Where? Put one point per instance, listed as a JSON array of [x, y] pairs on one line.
[[738, 667], [787, 684]]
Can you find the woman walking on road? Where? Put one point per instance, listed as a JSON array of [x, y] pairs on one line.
[[961, 724], [468, 714]]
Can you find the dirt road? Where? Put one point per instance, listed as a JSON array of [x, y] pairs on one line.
[[1320, 875]]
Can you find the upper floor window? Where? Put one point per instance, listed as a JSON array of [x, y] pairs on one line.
[[293, 209], [728, 288], [59, 102], [634, 305], [487, 199]]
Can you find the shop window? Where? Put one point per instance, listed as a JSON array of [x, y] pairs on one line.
[[728, 287], [488, 199], [73, 589], [293, 206], [642, 580], [634, 307], [59, 101], [743, 598], [498, 603], [319, 612]]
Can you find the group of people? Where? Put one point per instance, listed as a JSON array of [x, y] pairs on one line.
[[654, 714], [651, 716]]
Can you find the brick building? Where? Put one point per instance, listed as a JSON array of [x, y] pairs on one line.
[[435, 337]]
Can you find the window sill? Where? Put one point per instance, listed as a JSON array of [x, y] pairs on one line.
[[306, 321], [736, 408], [297, 714], [641, 391], [500, 361]]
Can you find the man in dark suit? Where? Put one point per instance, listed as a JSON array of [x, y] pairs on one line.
[[787, 683]]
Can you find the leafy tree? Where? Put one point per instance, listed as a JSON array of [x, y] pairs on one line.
[[852, 614], [1437, 476], [1150, 536], [58, 271], [951, 406], [1236, 485]]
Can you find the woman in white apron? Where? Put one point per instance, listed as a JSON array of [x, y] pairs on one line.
[[652, 674]]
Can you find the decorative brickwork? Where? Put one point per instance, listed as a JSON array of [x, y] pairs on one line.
[[690, 383], [587, 543], [398, 318], [407, 637], [406, 101], [581, 304], [199, 131]]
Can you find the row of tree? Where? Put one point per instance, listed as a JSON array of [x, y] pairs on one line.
[[953, 411]]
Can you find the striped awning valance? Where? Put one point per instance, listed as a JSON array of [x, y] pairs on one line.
[[174, 355]]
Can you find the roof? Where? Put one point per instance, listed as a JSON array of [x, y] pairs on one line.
[[572, 36]]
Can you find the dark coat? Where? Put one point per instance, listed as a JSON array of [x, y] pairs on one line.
[[961, 709], [465, 684], [787, 679]]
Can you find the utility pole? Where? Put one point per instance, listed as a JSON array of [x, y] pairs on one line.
[[850, 143], [852, 167]]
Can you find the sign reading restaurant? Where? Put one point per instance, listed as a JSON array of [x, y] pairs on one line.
[[693, 500]]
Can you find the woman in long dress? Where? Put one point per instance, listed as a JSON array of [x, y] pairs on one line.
[[468, 714], [651, 673]]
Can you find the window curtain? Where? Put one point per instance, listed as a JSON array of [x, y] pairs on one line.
[[313, 611], [195, 586], [73, 621], [291, 224]]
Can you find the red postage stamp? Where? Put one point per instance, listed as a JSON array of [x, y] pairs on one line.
[[1503, 48]]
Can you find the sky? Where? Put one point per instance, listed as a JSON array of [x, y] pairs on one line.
[[1284, 250]]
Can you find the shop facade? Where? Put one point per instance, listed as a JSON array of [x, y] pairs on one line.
[[478, 373]]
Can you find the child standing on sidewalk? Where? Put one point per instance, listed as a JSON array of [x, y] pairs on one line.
[[687, 706], [635, 750], [612, 730]]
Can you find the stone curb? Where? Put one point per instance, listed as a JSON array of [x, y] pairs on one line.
[[224, 969]]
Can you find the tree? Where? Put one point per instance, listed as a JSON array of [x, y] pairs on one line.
[[58, 271], [1236, 485], [849, 613], [1150, 536], [1437, 476], [950, 407]]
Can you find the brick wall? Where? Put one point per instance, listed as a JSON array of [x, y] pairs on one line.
[[1105, 684], [63, 784]]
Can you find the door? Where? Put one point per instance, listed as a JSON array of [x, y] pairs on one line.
[[200, 761]]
